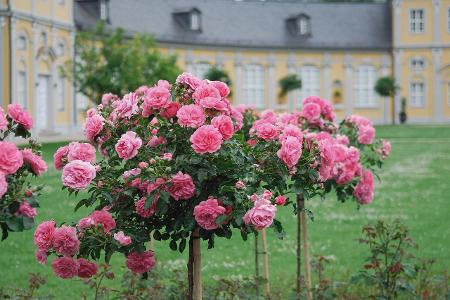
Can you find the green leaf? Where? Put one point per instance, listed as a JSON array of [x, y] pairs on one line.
[[15, 223], [182, 245], [173, 245], [220, 219]]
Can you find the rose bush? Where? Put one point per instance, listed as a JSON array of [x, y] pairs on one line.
[[18, 199]]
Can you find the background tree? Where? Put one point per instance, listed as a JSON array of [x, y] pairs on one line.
[[289, 83], [386, 87], [215, 73], [111, 61]]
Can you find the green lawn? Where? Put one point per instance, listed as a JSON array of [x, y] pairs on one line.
[[415, 188]]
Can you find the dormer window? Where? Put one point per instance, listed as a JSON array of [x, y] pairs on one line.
[[190, 19], [299, 25]]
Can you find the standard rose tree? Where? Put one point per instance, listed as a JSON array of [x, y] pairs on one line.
[[18, 199], [174, 166]]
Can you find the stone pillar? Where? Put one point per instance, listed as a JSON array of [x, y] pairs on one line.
[[34, 69], [13, 92], [73, 103], [53, 85], [437, 86], [397, 76], [348, 85], [271, 62], [326, 76], [436, 22], [396, 15], [2, 63], [238, 84]]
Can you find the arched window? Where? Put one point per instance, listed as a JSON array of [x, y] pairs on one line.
[[310, 77], [199, 69], [364, 86], [417, 94], [254, 85], [61, 48], [22, 42]]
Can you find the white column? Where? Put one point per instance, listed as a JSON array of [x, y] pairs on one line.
[[396, 5], [326, 76], [437, 86], [238, 84], [2, 69], [386, 101], [292, 96], [34, 69], [73, 103], [436, 22], [348, 84], [13, 61], [53, 84], [271, 62], [397, 76]]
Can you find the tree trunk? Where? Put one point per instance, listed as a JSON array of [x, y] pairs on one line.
[[265, 262], [300, 202], [197, 267], [306, 258], [256, 267], [190, 267]]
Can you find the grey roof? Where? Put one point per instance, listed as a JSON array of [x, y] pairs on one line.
[[251, 23]]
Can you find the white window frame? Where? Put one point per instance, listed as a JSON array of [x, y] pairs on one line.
[[254, 91], [417, 97], [195, 22], [61, 48], [22, 39], [413, 63], [310, 77], [199, 69], [416, 24], [303, 26], [61, 94], [364, 87], [22, 88]]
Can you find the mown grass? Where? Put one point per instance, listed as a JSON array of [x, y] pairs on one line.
[[415, 188]]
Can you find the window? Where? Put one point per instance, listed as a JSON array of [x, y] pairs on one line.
[[254, 85], [44, 38], [365, 86], [417, 20], [200, 69], [417, 94], [61, 48], [195, 21], [310, 77], [22, 43], [61, 100], [417, 63], [303, 25], [22, 89]]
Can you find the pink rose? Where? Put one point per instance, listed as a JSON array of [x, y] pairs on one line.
[[156, 97], [191, 116], [267, 131], [366, 134], [60, 157], [41, 256], [182, 186], [141, 262], [146, 212], [123, 239], [65, 267], [286, 118], [155, 141], [206, 213], [26, 210], [269, 115], [206, 139], [170, 110], [78, 174], [104, 218], [291, 130], [130, 173], [3, 120], [3, 185], [127, 107], [240, 185], [20, 116], [81, 151], [36, 163], [225, 126], [128, 145], [364, 189], [167, 156], [143, 165], [223, 89], [43, 236], [188, 80], [326, 159], [65, 240], [108, 98], [280, 200], [85, 223], [290, 151], [86, 269], [311, 112], [208, 96], [342, 139], [261, 215], [11, 158], [93, 127], [386, 149]]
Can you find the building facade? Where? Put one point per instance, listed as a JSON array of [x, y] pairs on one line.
[[339, 50]]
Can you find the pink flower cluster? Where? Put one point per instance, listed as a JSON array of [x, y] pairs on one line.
[[141, 262], [364, 189], [206, 213], [101, 218], [315, 108], [366, 131], [262, 213], [20, 116], [74, 151]]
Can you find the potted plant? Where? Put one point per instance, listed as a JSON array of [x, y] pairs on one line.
[[289, 83], [402, 115], [386, 87]]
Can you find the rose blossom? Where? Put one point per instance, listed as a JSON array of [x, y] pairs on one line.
[[189, 80], [261, 215], [78, 174], [141, 262], [37, 164], [128, 145], [182, 187], [364, 189], [123, 239], [20, 116], [85, 223], [104, 218], [225, 126], [108, 98], [65, 240], [156, 141], [311, 112], [386, 149], [3, 185], [170, 110], [269, 115], [11, 158], [43, 236], [206, 213], [291, 130], [126, 107], [206, 139], [191, 116], [132, 172], [223, 89], [87, 268], [26, 210], [280, 200], [65, 267], [208, 96], [81, 151], [41, 256], [60, 157], [290, 151], [366, 134], [146, 212], [3, 120], [156, 97], [93, 127], [240, 185]]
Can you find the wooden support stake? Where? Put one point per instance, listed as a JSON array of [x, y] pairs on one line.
[[152, 243], [197, 266], [300, 203], [306, 258], [256, 267], [265, 262]]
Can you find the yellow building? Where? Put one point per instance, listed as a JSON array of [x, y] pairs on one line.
[[339, 50]]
